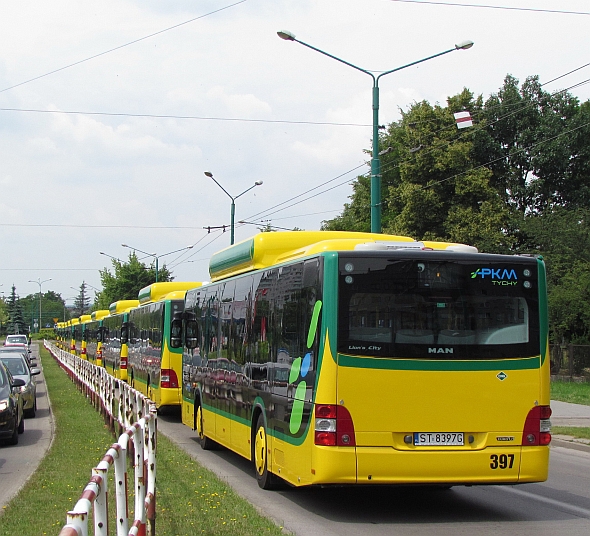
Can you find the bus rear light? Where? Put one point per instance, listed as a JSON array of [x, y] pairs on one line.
[[123, 364], [537, 427], [333, 426], [168, 380]]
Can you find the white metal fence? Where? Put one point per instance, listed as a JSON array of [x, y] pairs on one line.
[[124, 409]]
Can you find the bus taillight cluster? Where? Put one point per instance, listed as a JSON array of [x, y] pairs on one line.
[[537, 427], [169, 379], [333, 426]]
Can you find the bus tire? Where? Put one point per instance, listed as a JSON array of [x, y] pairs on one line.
[[266, 480], [205, 442]]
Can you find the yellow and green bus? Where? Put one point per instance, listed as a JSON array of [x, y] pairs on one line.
[[92, 336], [114, 338], [331, 358], [154, 367], [74, 330]]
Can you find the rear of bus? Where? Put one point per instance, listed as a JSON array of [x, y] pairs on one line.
[[441, 371]]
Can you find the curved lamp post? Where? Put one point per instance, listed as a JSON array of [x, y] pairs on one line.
[[156, 256], [375, 160], [39, 282], [233, 201]]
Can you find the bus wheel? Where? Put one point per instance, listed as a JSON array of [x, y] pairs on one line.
[[265, 479], [204, 441]]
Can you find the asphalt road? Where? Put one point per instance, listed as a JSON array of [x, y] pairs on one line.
[[559, 506], [19, 462]]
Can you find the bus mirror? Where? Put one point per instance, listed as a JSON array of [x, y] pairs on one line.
[[124, 333], [176, 331], [191, 332]]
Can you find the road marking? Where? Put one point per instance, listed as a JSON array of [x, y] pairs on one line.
[[577, 510]]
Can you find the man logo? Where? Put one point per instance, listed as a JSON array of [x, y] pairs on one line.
[[440, 350]]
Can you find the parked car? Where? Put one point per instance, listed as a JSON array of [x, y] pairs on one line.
[[19, 368], [12, 422], [16, 339], [18, 350]]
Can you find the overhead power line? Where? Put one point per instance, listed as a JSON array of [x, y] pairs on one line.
[[97, 226], [198, 117], [485, 6], [122, 46]]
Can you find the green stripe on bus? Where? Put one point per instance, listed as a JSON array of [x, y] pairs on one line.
[[527, 363]]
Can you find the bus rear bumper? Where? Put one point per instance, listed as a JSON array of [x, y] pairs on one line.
[[385, 465], [508, 465]]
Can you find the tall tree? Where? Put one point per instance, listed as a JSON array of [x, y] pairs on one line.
[[82, 302], [16, 322], [127, 280]]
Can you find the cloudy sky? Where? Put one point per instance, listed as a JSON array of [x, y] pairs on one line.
[[111, 112]]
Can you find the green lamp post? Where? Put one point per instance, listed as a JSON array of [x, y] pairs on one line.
[[375, 160]]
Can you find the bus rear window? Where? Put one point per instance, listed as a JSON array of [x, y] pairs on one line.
[[431, 308]]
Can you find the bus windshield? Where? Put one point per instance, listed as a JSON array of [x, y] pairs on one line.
[[435, 306]]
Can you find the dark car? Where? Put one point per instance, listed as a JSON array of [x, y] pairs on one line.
[[19, 368], [12, 420]]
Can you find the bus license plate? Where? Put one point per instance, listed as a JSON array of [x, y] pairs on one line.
[[439, 439]]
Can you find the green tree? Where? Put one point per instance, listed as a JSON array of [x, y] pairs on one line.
[[52, 306], [16, 321], [535, 144], [127, 280], [3, 316], [81, 302]]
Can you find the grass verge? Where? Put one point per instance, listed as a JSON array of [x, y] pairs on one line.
[[574, 431], [577, 393], [190, 499]]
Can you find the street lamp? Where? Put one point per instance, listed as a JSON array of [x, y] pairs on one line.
[[156, 256], [233, 201], [39, 282], [110, 256], [375, 160]]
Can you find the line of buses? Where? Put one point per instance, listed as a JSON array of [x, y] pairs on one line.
[[337, 358]]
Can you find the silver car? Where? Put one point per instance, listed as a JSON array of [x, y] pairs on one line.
[[18, 350], [19, 368]]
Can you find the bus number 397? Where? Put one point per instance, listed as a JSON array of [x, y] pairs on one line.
[[503, 461]]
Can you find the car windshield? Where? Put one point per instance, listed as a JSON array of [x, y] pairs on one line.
[[16, 339], [15, 366], [3, 379]]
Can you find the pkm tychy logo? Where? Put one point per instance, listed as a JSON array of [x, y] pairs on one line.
[[498, 276], [299, 370]]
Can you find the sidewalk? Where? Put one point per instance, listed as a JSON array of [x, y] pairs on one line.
[[575, 415]]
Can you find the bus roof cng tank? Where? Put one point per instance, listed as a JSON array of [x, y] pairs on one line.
[[122, 306], [100, 314], [268, 249], [158, 291]]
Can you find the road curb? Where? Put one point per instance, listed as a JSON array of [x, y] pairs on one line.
[[575, 445]]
